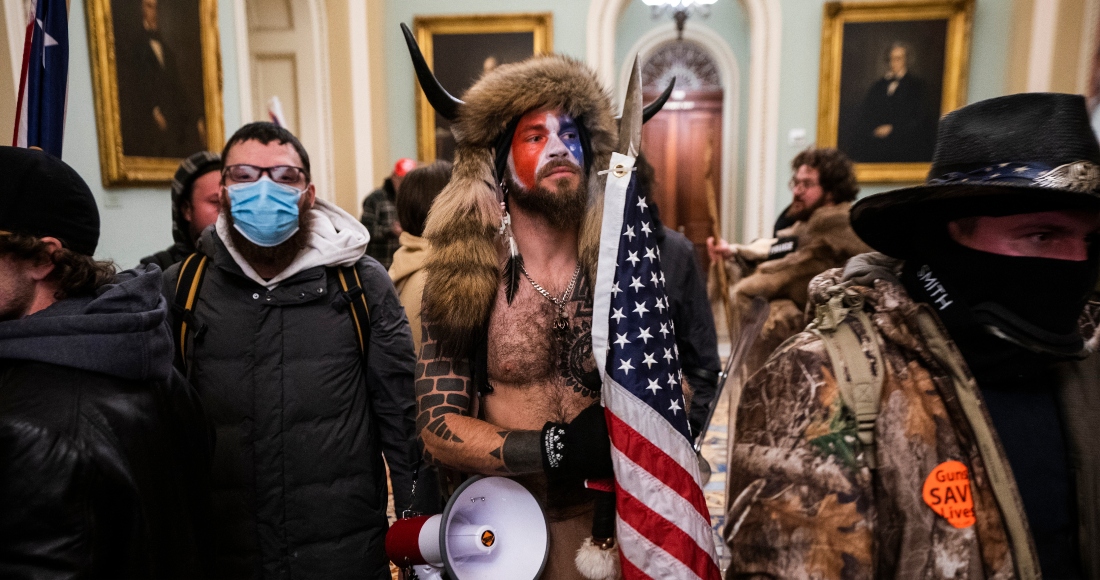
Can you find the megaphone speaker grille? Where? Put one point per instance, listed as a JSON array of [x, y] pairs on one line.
[[493, 528]]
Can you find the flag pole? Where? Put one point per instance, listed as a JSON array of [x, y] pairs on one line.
[[716, 231]]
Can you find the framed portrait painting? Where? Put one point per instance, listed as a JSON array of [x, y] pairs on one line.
[[459, 49], [889, 71], [156, 73]]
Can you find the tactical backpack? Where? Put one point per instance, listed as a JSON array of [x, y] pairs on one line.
[[854, 363], [193, 269]]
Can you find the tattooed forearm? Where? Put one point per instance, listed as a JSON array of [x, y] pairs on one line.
[[449, 435], [520, 451]]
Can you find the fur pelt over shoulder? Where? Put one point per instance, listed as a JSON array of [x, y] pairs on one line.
[[463, 272], [825, 241]]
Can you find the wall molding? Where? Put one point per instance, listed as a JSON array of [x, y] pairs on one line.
[[15, 17], [359, 31], [766, 29], [722, 55], [244, 64]]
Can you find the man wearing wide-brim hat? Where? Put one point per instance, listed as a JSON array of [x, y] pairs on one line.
[[940, 418]]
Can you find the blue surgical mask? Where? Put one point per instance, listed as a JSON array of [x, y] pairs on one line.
[[264, 212]]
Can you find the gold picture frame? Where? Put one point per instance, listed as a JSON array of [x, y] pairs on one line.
[[908, 59], [471, 41], [157, 87]]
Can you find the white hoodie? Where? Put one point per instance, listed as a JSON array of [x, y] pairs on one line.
[[336, 238]]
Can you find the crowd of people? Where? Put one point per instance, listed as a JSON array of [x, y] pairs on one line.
[[923, 401]]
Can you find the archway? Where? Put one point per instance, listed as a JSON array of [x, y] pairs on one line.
[[691, 144], [765, 24]]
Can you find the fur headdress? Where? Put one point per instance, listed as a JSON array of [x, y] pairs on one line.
[[463, 270]]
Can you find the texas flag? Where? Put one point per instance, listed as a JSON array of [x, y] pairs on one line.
[[40, 115]]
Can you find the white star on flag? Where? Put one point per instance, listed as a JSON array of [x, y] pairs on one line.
[[48, 40], [655, 279], [671, 380], [650, 255], [640, 307], [618, 315], [636, 283], [642, 205], [625, 366], [649, 361], [653, 386], [645, 228], [630, 233], [615, 289], [668, 354], [660, 305], [675, 407], [633, 258], [664, 330], [645, 335], [621, 340]]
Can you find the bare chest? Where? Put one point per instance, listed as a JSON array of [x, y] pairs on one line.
[[536, 369]]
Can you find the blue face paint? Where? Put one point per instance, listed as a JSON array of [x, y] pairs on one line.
[[264, 212], [571, 138]]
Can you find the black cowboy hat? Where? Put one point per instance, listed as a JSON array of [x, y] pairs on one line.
[[1016, 154]]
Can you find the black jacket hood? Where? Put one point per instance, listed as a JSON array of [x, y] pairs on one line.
[[121, 331]]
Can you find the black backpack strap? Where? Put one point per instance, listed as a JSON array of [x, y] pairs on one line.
[[192, 270], [357, 305]]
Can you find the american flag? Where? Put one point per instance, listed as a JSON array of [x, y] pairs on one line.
[[663, 525], [44, 82]]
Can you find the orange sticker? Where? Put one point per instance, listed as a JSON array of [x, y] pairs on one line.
[[947, 492]]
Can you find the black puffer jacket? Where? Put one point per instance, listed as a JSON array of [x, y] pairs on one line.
[[104, 453], [299, 481]]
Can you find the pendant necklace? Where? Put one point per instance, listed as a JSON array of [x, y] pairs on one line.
[[562, 323]]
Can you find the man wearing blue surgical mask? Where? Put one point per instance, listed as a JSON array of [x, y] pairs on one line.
[[304, 409]]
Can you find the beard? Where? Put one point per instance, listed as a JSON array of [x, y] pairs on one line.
[[16, 296], [276, 257], [800, 212], [563, 207]]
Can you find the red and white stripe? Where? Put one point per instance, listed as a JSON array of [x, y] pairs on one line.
[[663, 525]]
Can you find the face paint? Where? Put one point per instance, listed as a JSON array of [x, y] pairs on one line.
[[543, 136]]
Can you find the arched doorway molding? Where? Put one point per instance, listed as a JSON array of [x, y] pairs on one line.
[[765, 25], [722, 55]]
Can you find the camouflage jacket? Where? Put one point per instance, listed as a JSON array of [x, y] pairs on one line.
[[805, 504]]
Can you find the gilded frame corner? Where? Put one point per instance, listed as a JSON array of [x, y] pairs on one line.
[[959, 15], [117, 168], [426, 27]]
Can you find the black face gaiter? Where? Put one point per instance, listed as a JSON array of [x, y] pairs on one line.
[[1033, 302]]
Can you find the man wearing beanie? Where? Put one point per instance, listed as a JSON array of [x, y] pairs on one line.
[[196, 191], [940, 417], [104, 451]]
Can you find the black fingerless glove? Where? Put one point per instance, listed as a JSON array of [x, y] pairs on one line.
[[578, 450]]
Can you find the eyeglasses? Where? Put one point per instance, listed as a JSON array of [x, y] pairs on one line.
[[803, 183], [287, 174]]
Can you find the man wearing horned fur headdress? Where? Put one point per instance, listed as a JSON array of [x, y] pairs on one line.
[[506, 382]]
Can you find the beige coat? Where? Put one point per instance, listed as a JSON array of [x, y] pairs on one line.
[[407, 273]]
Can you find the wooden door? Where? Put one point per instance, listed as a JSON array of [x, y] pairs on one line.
[[676, 142]]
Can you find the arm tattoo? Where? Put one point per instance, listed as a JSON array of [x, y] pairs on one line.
[[520, 451], [442, 387], [449, 435]]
